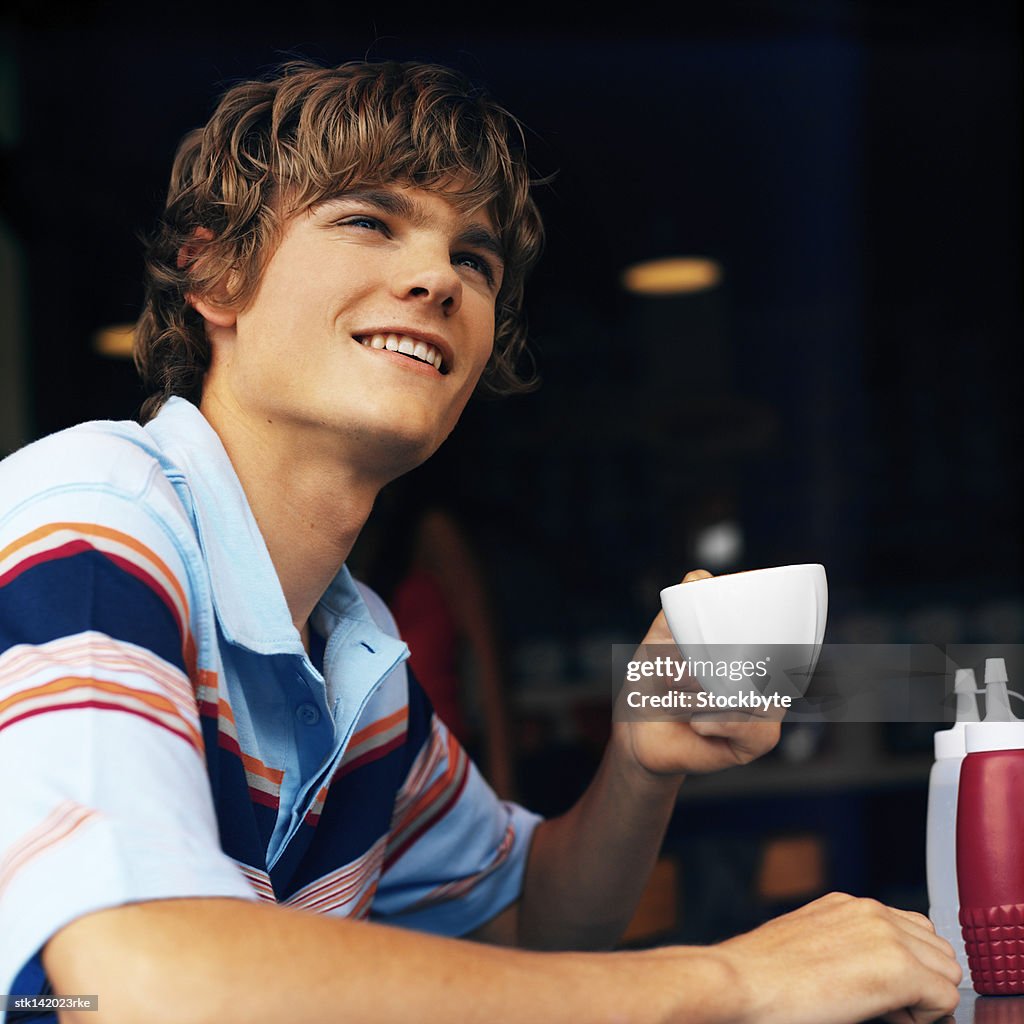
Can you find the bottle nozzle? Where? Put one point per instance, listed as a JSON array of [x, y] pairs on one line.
[[965, 686], [997, 700], [995, 670], [964, 681]]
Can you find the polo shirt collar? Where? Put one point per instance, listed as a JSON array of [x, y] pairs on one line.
[[247, 595]]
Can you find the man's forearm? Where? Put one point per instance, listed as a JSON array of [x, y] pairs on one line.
[[587, 868], [224, 961]]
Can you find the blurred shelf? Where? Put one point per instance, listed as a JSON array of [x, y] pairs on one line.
[[818, 775], [853, 759]]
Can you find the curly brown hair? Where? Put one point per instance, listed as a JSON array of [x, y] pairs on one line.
[[278, 146]]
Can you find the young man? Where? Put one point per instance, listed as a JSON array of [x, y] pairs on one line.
[[220, 785]]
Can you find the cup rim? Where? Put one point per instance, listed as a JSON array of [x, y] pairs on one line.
[[768, 570]]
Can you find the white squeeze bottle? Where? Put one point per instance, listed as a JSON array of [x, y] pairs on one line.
[[940, 849]]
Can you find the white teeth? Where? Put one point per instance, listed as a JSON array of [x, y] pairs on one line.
[[421, 350]]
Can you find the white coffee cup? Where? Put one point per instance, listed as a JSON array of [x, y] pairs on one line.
[[778, 613]]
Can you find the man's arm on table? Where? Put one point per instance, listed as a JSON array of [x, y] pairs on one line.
[[836, 961]]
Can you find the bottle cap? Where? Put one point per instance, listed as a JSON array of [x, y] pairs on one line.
[[995, 670], [950, 742], [981, 736]]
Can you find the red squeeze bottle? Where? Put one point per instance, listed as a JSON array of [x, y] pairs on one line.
[[990, 856]]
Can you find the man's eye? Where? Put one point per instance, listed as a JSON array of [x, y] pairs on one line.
[[477, 263], [370, 223]]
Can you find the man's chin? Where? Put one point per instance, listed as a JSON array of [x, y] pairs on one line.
[[402, 454]]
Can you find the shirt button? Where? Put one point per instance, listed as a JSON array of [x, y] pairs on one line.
[[307, 714]]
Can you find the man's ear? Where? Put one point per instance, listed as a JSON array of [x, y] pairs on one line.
[[217, 313], [212, 313]]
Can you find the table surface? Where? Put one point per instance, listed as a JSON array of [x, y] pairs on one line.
[[975, 1009]]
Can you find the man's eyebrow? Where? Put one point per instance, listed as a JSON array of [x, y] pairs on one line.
[[388, 202]]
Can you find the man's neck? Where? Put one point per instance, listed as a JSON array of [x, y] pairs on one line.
[[309, 507]]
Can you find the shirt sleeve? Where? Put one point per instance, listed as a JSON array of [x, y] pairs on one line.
[[456, 854], [103, 782]]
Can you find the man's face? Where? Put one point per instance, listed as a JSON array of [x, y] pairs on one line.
[[372, 323]]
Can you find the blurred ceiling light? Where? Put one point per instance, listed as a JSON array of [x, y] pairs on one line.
[[114, 341], [674, 275], [719, 545]]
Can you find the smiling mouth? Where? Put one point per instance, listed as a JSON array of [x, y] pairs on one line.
[[414, 348]]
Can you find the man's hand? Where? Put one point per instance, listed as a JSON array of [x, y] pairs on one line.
[[841, 959], [695, 743]]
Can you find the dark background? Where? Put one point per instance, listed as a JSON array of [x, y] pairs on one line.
[[854, 167], [850, 395]]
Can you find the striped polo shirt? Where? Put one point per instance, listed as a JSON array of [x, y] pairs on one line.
[[163, 733]]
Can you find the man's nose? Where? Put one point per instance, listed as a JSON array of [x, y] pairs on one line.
[[427, 276]]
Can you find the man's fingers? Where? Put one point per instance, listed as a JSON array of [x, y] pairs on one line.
[[744, 741], [751, 734], [914, 918], [919, 934], [696, 574], [936, 958], [934, 978], [939, 946], [918, 926], [717, 723]]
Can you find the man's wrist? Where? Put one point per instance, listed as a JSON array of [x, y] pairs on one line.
[[637, 775], [699, 984]]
